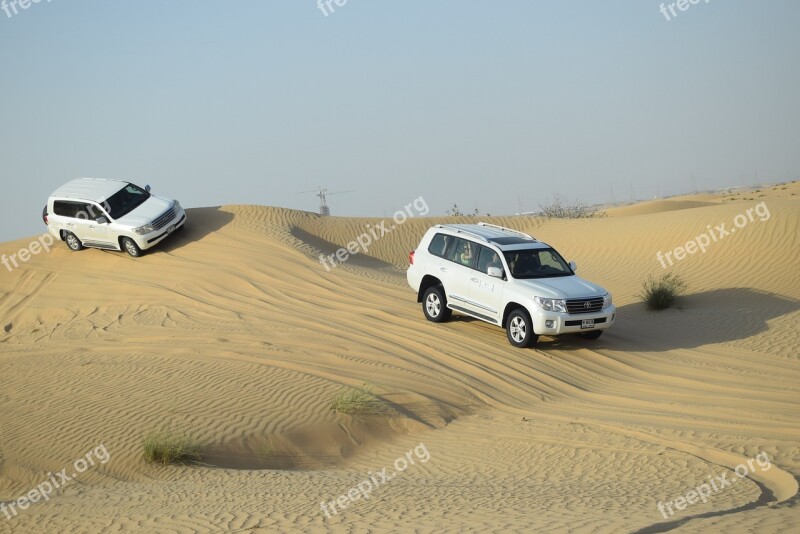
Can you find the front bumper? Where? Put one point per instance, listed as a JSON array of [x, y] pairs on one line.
[[565, 323], [150, 240]]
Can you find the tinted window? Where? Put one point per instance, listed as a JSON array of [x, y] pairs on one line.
[[439, 244], [488, 258], [74, 210], [541, 263], [463, 252], [64, 209], [126, 200]]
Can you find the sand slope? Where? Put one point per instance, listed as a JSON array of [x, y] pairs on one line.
[[236, 333]]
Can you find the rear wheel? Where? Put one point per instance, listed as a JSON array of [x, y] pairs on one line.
[[594, 334], [519, 329], [73, 242], [130, 246], [434, 305]]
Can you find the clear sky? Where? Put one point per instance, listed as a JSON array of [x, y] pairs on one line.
[[496, 105]]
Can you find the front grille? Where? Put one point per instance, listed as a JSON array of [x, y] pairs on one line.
[[592, 305], [162, 221]]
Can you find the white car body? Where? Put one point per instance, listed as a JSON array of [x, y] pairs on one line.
[[84, 209], [587, 307]]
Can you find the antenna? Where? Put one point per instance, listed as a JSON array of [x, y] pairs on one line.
[[322, 194]]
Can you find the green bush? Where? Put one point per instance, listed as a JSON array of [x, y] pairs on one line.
[[359, 400], [168, 447], [660, 293]]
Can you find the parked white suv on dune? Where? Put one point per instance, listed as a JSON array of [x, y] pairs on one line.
[[111, 215], [506, 278]]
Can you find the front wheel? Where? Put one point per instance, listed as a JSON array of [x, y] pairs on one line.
[[434, 305], [594, 334], [130, 246], [520, 329]]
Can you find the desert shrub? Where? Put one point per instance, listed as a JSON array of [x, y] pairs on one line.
[[359, 400], [659, 293], [169, 447], [561, 208]]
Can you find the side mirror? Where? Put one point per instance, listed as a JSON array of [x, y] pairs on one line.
[[101, 220], [147, 188], [573, 266], [495, 272]]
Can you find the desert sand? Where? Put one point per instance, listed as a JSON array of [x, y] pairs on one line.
[[234, 333]]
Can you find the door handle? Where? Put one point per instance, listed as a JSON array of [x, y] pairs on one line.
[[475, 280], [443, 269]]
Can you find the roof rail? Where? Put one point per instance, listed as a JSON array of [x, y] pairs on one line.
[[506, 229], [462, 231]]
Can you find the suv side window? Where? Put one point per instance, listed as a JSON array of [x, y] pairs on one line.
[[74, 210], [488, 258], [463, 252], [439, 244]]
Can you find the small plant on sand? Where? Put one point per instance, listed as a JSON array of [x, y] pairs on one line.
[[561, 208], [660, 293], [359, 400], [169, 447]]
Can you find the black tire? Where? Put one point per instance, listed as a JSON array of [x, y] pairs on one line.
[[72, 241], [594, 334], [519, 329], [130, 246], [44, 214], [434, 305]]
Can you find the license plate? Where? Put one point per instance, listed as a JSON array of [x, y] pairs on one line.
[[587, 323], [171, 229]]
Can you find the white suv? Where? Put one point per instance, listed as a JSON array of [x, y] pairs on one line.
[[111, 215], [507, 278]]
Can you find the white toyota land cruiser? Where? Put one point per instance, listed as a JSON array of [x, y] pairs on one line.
[[110, 214], [506, 278]]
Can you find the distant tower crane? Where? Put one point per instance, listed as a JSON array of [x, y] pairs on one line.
[[322, 194]]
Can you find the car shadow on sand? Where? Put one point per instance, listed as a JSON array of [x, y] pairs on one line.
[[200, 222], [698, 319]]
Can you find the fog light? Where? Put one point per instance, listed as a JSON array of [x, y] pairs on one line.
[[550, 323]]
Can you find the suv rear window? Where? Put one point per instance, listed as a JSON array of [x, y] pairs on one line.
[[439, 244], [74, 210]]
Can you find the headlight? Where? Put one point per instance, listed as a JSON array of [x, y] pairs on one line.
[[556, 305], [606, 300], [146, 229]]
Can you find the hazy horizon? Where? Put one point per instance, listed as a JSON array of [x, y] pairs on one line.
[[495, 107]]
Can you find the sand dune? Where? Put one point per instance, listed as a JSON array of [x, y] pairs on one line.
[[236, 333]]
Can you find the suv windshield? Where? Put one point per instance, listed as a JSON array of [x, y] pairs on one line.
[[536, 263], [126, 200]]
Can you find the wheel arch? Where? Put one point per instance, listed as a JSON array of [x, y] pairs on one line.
[[510, 307], [428, 281]]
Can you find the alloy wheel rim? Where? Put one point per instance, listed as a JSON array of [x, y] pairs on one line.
[[434, 306], [518, 329]]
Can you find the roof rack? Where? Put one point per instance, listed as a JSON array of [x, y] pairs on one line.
[[461, 231], [506, 229]]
